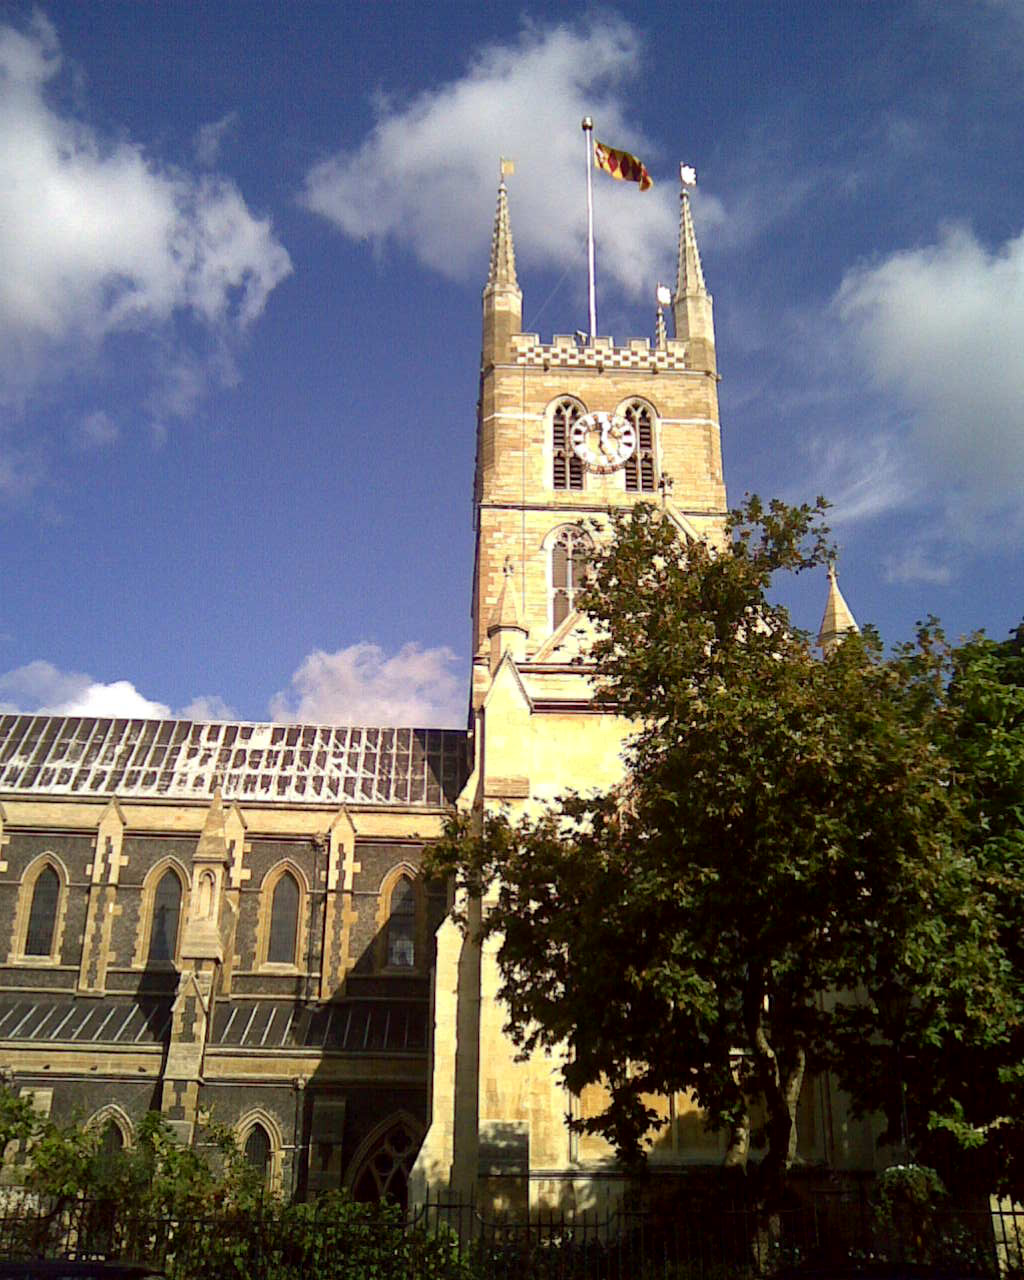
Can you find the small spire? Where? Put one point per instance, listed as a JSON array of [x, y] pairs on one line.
[[689, 273], [503, 253], [213, 842], [838, 619], [660, 336], [505, 614]]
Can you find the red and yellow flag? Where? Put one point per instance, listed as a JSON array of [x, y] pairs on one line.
[[621, 165]]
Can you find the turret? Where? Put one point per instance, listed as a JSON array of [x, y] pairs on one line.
[[838, 619], [692, 304], [503, 299]]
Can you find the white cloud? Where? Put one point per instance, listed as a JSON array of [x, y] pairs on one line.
[[426, 174], [99, 237], [210, 136], [861, 477], [942, 328], [208, 707], [361, 685], [96, 430], [915, 564], [42, 689]]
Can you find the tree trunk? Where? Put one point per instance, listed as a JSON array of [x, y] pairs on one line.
[[739, 1144], [781, 1083]]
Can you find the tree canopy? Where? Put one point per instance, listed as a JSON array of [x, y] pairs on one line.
[[782, 862]]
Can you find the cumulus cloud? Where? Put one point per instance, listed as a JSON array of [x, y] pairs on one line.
[[941, 328], [424, 178], [101, 238], [361, 684], [40, 688], [208, 707]]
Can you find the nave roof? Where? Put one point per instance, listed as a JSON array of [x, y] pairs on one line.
[[252, 762]]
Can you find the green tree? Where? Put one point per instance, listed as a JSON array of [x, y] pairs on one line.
[[963, 1078], [785, 834]]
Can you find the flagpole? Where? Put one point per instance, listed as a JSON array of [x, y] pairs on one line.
[[588, 128]]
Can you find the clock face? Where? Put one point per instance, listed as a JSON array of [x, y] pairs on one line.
[[602, 441]]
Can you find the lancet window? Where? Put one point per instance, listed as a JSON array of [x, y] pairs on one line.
[[163, 934], [42, 917], [284, 921], [566, 467], [257, 1150], [402, 925], [640, 470]]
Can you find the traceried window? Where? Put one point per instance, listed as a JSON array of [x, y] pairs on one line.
[[402, 925], [569, 554], [384, 1174], [284, 921], [42, 917], [566, 467], [640, 470], [163, 934]]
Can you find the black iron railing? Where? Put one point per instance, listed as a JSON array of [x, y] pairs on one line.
[[451, 1239]]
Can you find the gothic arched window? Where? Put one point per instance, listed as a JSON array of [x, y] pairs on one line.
[[569, 554], [402, 925], [639, 469], [566, 467], [163, 933], [284, 921], [42, 916], [382, 1172], [257, 1150]]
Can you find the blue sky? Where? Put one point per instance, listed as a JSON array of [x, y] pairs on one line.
[[241, 254]]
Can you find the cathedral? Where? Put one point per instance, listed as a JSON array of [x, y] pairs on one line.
[[228, 919]]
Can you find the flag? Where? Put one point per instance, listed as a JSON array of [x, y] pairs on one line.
[[508, 167], [621, 165]]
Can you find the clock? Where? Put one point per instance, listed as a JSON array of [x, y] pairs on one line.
[[603, 442]]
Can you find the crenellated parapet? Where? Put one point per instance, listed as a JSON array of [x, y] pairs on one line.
[[564, 352]]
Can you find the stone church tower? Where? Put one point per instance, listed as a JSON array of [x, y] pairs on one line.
[[565, 431]]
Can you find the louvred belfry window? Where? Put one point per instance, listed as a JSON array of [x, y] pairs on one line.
[[42, 917], [567, 468], [640, 470], [569, 555]]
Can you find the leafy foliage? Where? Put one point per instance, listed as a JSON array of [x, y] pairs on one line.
[[199, 1211], [963, 1076], [788, 827]]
